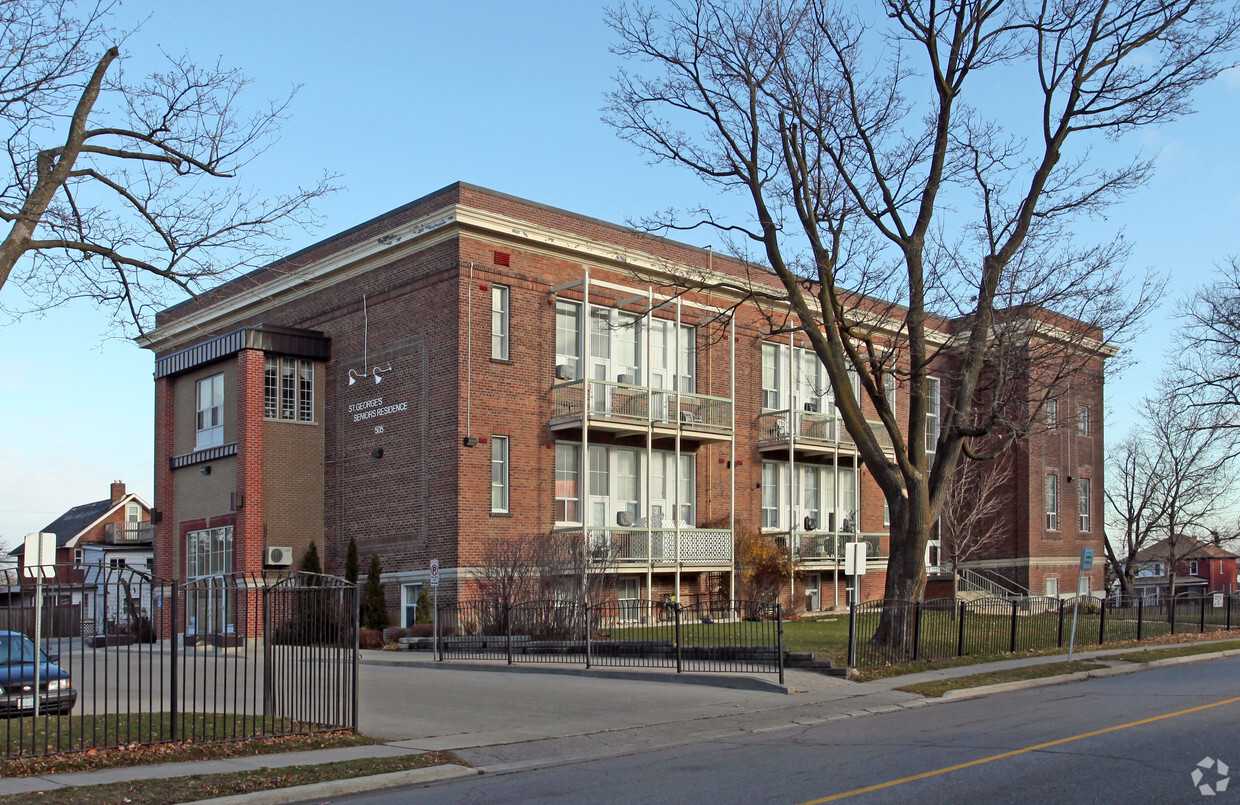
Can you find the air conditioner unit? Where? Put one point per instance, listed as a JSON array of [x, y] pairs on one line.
[[278, 557], [812, 407], [810, 524], [626, 379], [564, 371], [624, 519]]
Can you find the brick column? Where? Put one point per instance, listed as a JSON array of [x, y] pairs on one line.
[[169, 564], [248, 533]]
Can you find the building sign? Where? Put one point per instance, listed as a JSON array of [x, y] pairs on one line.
[[374, 408]]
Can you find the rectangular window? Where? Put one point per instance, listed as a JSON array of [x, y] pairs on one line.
[[77, 556], [932, 414], [934, 556], [568, 339], [210, 417], [1192, 568], [770, 494], [499, 473], [886, 512], [409, 604], [567, 480], [1083, 504], [499, 322], [209, 606], [288, 389], [889, 391], [1052, 503], [116, 561], [774, 368], [1052, 587], [1052, 414], [1082, 419]]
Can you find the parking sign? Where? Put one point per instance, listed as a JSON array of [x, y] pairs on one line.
[[434, 572]]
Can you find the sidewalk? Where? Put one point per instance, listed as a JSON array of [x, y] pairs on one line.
[[721, 705]]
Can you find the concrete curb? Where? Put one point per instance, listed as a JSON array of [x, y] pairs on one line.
[[354, 785], [1126, 668]]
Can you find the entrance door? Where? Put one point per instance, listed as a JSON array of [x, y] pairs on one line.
[[600, 361], [813, 592]]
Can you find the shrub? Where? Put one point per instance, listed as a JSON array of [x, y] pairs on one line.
[[370, 638]]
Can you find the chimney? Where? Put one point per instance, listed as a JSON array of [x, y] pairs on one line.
[[118, 491]]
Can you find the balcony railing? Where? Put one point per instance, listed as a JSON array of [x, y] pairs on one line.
[[128, 533], [816, 546], [627, 546], [813, 428], [639, 405]]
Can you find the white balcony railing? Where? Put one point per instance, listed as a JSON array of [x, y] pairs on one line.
[[128, 533], [814, 546], [603, 400], [811, 427], [657, 546]]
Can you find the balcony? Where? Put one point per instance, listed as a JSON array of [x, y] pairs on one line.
[[657, 546], [624, 408], [129, 533], [812, 432], [825, 546]]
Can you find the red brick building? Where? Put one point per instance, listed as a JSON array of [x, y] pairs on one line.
[[473, 367], [1202, 568]]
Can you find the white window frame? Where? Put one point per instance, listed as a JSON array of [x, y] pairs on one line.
[[934, 556], [499, 474], [288, 389], [568, 328], [1052, 414], [116, 562], [78, 555], [622, 479], [1193, 567], [933, 412], [209, 417], [409, 612], [830, 517], [1082, 420], [501, 320], [1083, 505], [567, 473], [133, 513], [1052, 587], [1052, 502], [889, 391]]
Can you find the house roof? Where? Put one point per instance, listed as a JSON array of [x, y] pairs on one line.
[[1186, 548], [72, 523]]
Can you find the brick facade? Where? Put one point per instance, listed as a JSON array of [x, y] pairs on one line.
[[405, 301]]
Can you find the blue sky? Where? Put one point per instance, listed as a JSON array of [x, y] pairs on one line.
[[402, 98]]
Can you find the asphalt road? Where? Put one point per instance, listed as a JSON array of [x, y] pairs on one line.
[[1134, 738]]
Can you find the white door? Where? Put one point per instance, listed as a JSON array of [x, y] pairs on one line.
[[813, 592], [627, 590], [600, 361]]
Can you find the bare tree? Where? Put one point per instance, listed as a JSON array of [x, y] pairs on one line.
[[870, 164], [1211, 360], [971, 523], [119, 190], [1175, 479]]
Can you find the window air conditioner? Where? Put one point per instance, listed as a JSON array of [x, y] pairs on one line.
[[812, 407], [624, 519], [563, 371], [278, 557], [626, 379]]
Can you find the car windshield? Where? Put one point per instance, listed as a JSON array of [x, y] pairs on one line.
[[16, 649]]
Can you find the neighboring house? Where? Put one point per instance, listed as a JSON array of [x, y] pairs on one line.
[[1202, 568], [93, 539], [473, 368]]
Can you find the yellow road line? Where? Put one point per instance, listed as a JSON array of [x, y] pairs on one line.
[[1013, 753]]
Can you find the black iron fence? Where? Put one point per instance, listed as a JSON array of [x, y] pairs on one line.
[[947, 627], [714, 636], [127, 658]]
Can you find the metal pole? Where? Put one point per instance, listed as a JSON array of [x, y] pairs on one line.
[[1013, 640], [357, 636], [852, 634], [1140, 616], [916, 630], [38, 624], [1201, 626], [174, 675], [675, 605], [779, 639], [960, 638], [435, 655], [1076, 605], [1102, 622]]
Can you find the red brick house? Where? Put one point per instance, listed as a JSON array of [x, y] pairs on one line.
[[1202, 568], [474, 367], [115, 531]]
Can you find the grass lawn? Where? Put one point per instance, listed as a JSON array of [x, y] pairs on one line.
[[190, 789], [131, 739], [1150, 655], [941, 686]]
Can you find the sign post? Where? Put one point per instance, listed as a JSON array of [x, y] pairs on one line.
[[1087, 564], [40, 553], [854, 567], [435, 605]]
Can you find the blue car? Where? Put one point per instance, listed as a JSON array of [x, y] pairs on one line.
[[17, 671]]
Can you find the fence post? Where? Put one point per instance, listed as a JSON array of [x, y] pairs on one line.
[[1229, 613], [356, 601], [1059, 639], [852, 634], [508, 631], [1140, 616], [1201, 625], [779, 639], [1102, 621], [960, 638], [589, 629], [916, 630], [1171, 605], [174, 671], [1013, 640], [676, 613]]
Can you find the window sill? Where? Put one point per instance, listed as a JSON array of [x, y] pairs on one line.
[[504, 361], [278, 421], [501, 514]]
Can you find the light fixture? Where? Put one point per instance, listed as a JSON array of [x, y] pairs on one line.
[[377, 453], [470, 441], [353, 376], [206, 470]]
